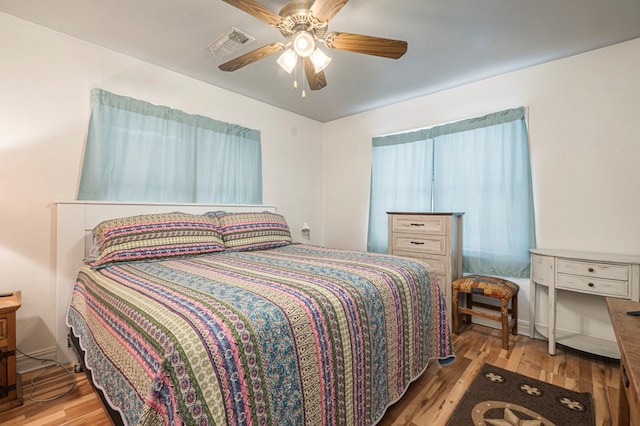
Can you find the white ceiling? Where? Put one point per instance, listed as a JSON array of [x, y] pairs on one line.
[[451, 42]]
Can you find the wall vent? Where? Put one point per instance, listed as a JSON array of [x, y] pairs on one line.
[[229, 42]]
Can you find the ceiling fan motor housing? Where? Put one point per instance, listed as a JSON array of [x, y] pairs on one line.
[[297, 17]]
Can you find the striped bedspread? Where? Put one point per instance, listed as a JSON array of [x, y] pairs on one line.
[[297, 335]]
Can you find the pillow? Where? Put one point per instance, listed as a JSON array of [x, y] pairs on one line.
[[155, 236], [216, 213], [254, 231]]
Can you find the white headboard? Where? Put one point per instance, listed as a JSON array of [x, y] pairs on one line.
[[76, 219]]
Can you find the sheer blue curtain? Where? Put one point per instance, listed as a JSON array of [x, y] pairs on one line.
[[137, 151], [480, 167], [400, 181]]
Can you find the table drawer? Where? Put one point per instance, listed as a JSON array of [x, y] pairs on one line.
[[594, 269], [417, 224], [628, 386], [428, 244], [541, 269], [601, 286]]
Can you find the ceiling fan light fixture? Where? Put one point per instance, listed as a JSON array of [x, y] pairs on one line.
[[304, 24], [288, 60], [303, 43], [319, 60]]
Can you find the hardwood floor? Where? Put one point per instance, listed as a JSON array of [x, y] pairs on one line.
[[430, 400]]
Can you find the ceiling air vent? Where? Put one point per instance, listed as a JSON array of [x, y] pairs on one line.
[[229, 42]]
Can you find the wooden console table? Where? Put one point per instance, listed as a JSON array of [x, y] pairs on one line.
[[627, 331], [599, 275]]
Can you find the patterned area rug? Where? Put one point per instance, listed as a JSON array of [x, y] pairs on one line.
[[498, 397]]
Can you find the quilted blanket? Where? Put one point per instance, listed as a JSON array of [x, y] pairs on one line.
[[297, 335]]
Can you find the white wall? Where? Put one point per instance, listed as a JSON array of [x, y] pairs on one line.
[[584, 125], [45, 78]]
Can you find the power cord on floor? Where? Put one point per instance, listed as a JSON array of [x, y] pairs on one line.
[[33, 380]]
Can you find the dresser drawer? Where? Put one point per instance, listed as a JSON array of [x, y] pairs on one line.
[[442, 282], [427, 244], [4, 331], [418, 224], [594, 269], [601, 286], [437, 263]]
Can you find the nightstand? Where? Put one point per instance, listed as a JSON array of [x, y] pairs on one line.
[[9, 397]]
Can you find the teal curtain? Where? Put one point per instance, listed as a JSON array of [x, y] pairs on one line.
[[137, 151], [480, 167], [400, 181]]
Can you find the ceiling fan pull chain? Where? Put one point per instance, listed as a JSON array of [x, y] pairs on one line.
[[304, 93]]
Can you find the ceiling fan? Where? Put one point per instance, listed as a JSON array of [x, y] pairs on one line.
[[304, 23]]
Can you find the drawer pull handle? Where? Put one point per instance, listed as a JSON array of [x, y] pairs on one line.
[[417, 224], [417, 243], [591, 270], [591, 284]]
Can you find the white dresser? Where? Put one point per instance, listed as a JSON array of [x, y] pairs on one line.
[[598, 275], [435, 238]]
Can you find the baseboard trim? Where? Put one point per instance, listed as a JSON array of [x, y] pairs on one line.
[[25, 364], [523, 326]]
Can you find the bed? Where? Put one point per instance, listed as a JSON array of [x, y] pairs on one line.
[[220, 318]]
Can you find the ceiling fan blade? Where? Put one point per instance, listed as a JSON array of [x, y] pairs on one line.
[[257, 10], [251, 57], [367, 45], [326, 9], [316, 80]]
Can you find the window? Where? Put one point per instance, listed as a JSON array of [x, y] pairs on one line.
[[137, 151], [480, 167]]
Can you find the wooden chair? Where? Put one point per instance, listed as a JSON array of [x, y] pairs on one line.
[[493, 287]]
